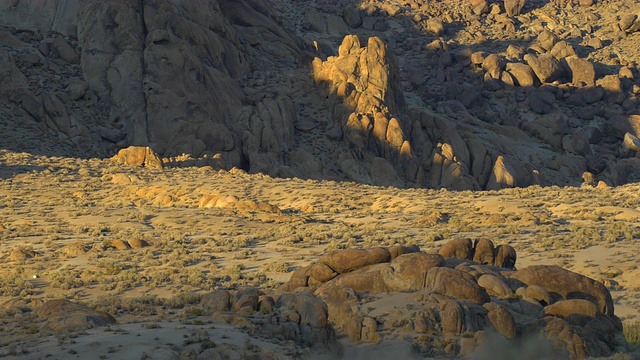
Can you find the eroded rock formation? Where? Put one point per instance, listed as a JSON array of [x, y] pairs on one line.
[[449, 295], [394, 97]]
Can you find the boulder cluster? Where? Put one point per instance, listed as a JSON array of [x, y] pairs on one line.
[[300, 317], [218, 200], [453, 302]]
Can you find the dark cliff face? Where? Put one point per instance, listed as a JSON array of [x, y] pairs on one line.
[[405, 102]]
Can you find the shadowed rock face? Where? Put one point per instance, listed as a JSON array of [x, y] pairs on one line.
[[62, 315], [227, 81], [460, 296], [567, 285]]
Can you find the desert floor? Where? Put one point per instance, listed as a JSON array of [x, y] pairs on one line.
[[59, 218]]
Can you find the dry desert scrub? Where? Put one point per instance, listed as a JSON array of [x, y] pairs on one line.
[[192, 251]]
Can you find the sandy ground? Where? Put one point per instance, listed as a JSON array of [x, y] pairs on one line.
[[50, 205]]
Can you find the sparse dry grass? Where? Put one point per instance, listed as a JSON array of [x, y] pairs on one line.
[[193, 251]]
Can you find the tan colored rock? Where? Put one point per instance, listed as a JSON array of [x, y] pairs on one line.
[[138, 156], [407, 272], [567, 284], [501, 320], [226, 201], [366, 280], [613, 90], [209, 200], [502, 176], [121, 178], [435, 26], [505, 256], [75, 248], [62, 315], [477, 58], [547, 40], [369, 333], [513, 7], [458, 249], [479, 7], [522, 73], [137, 243], [579, 70], [495, 285], [321, 272], [347, 260], [493, 62], [588, 178], [483, 251], [631, 142], [539, 293], [395, 135], [562, 50], [455, 283], [397, 250], [546, 67], [496, 219], [564, 308], [21, 254], [120, 244]]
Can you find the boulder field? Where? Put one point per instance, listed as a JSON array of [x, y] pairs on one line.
[[453, 302], [468, 95]]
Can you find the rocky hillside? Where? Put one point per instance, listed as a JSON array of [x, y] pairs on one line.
[[471, 94]]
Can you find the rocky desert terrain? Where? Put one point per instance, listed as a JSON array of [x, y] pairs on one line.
[[256, 179]]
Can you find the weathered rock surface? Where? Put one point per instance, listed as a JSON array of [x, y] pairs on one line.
[[564, 284], [462, 300], [138, 156], [63, 315], [299, 317]]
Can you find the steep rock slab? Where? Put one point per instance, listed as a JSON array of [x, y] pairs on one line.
[[167, 73], [111, 36], [366, 101]]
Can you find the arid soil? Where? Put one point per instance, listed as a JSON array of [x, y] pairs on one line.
[[62, 216]]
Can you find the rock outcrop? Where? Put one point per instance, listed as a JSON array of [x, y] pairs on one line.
[[461, 299], [300, 317], [138, 156], [63, 315], [226, 84]]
